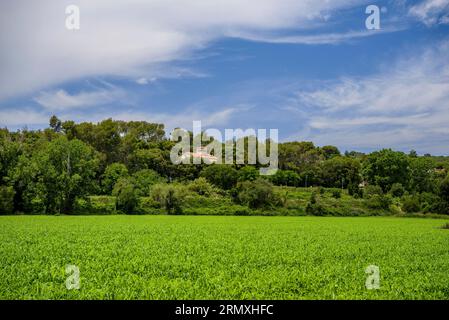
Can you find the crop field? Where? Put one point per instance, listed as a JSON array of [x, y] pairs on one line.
[[187, 257]]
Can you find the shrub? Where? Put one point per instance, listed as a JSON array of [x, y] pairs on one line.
[[248, 173], [126, 196], [257, 194], [285, 178], [6, 200], [169, 196], [397, 190], [372, 190], [112, 175], [202, 187], [355, 191], [103, 205], [377, 201], [410, 204], [144, 179], [336, 193], [221, 175], [315, 209]]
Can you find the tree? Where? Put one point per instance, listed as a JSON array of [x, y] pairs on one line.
[[248, 173], [386, 167], [397, 190], [169, 196], [112, 174], [413, 154], [257, 194], [126, 197], [55, 124], [340, 172], [221, 175], [285, 178], [202, 187], [144, 180], [422, 174], [56, 175], [6, 200], [330, 151]]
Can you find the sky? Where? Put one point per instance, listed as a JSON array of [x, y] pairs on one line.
[[310, 69]]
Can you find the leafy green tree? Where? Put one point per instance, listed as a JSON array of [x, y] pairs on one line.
[[112, 174], [386, 167], [285, 178], [248, 173], [6, 200], [330, 152], [56, 175], [55, 124], [221, 175], [202, 187], [340, 172], [397, 190], [169, 196], [422, 174], [257, 194], [411, 204], [126, 196], [145, 179]]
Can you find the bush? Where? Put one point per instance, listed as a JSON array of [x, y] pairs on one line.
[[410, 204], [126, 196], [169, 196], [112, 175], [201, 187], [285, 178], [377, 201], [430, 202], [257, 194], [248, 173], [221, 175], [6, 200], [372, 190], [336, 193], [355, 191], [315, 209], [397, 190], [144, 179]]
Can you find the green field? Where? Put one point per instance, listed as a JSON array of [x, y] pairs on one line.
[[184, 257]]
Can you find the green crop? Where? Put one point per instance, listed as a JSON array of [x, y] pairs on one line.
[[185, 257]]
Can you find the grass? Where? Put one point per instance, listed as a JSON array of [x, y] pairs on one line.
[[184, 257]]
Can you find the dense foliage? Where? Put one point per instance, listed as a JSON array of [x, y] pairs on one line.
[[73, 168]]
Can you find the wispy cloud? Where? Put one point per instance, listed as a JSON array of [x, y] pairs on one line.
[[60, 100], [21, 117], [406, 106], [129, 38], [431, 12], [314, 39]]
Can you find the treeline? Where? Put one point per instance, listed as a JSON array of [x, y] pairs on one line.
[[58, 170]]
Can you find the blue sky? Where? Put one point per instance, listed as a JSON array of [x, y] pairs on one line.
[[310, 69]]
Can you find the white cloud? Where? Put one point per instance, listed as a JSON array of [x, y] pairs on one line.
[[406, 106], [14, 117], [129, 38], [431, 12], [316, 39], [61, 100]]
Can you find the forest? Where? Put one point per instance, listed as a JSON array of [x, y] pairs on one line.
[[124, 167]]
